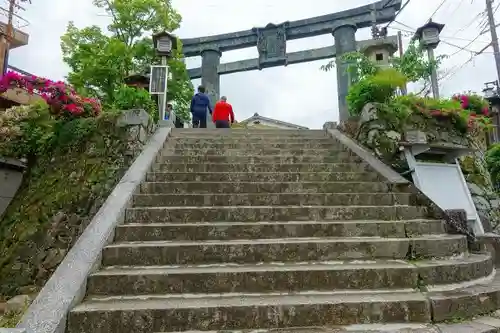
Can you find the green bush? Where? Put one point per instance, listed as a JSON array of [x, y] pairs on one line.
[[26, 130], [493, 162], [31, 131], [378, 88], [127, 98]]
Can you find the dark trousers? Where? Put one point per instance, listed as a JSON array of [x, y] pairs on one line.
[[199, 122], [179, 123], [222, 124]]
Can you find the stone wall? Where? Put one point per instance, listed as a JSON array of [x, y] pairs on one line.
[[383, 136], [60, 195]]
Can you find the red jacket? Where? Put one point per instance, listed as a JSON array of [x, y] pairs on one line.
[[223, 111]]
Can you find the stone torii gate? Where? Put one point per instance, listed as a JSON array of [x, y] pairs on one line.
[[271, 44]]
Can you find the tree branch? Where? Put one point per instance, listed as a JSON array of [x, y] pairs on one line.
[[115, 19]]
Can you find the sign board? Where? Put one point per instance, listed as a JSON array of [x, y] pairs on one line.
[[158, 80], [445, 185]]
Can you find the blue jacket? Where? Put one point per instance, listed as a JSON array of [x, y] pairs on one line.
[[199, 104]]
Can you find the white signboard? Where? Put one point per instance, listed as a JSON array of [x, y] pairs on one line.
[[445, 185], [158, 80]]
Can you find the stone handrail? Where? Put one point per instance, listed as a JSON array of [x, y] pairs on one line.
[[67, 285]]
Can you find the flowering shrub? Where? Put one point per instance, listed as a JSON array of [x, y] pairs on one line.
[[475, 105], [63, 101], [465, 112], [26, 130]]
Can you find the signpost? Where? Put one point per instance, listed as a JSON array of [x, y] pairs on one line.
[[158, 86], [164, 44]]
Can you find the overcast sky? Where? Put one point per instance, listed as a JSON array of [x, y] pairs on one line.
[[300, 94]]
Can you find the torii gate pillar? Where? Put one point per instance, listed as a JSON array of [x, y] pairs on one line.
[[345, 42]]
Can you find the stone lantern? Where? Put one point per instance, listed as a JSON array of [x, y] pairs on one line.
[[164, 43], [428, 36], [380, 51], [491, 93]]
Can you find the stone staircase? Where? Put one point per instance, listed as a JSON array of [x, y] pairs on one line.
[[266, 229]]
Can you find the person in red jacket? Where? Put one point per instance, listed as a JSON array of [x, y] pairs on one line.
[[223, 113]]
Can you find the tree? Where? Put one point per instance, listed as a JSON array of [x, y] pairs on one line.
[[413, 64], [100, 60]]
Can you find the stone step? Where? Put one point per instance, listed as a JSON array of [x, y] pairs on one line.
[[280, 249], [245, 132], [263, 167], [252, 146], [140, 314], [466, 302], [264, 177], [273, 213], [480, 324], [258, 136], [255, 139], [247, 136], [134, 232], [287, 277], [271, 199], [255, 159], [262, 187], [255, 152]]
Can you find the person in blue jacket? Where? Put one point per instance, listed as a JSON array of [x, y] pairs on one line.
[[199, 105]]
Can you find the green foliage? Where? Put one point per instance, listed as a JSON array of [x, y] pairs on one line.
[[493, 163], [73, 180], [413, 64], [31, 131], [99, 61], [378, 88], [127, 98], [360, 66], [26, 131]]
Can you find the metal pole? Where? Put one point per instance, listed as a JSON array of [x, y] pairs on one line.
[[7, 37], [163, 97], [434, 80], [494, 37], [404, 89]]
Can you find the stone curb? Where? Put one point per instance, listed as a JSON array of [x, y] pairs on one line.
[[67, 285]]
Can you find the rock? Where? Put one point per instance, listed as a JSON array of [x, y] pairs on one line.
[[485, 221], [368, 113], [53, 258], [481, 203], [17, 304], [29, 290], [393, 135], [476, 189], [415, 136]]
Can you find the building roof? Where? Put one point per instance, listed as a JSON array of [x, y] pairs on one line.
[[257, 117]]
